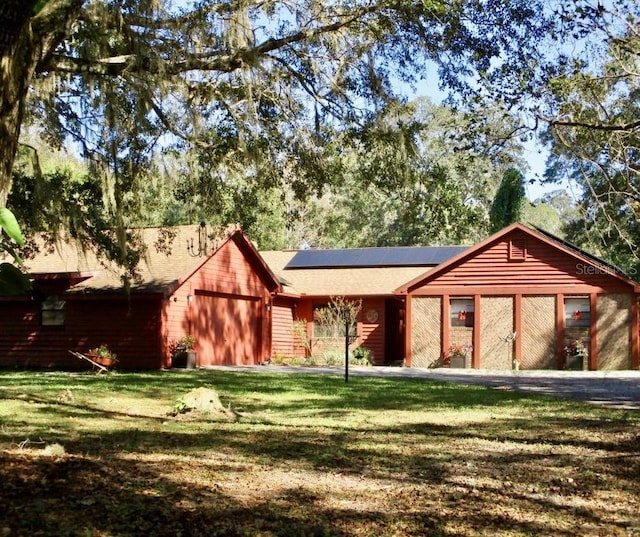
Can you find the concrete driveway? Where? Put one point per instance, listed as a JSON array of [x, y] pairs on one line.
[[614, 389]]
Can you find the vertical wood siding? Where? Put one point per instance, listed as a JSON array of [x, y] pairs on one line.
[[226, 312]]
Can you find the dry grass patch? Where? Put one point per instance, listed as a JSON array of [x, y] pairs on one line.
[[309, 456]]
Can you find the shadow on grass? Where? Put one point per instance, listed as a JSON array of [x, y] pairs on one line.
[[77, 496], [107, 486]]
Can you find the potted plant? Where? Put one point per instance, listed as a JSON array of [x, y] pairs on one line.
[[459, 356], [182, 353], [575, 355], [103, 356]]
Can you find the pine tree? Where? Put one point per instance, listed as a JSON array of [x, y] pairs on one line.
[[507, 205]]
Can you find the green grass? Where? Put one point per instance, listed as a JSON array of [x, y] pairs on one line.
[[308, 455]]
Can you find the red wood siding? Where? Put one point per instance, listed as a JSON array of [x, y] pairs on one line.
[[372, 332], [129, 326], [223, 305], [519, 267], [227, 330], [286, 341], [543, 267], [282, 330]]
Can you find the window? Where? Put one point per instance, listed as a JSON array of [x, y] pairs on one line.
[[518, 250], [577, 311], [53, 311], [462, 312]]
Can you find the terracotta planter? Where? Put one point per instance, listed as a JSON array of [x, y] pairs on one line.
[[104, 361]]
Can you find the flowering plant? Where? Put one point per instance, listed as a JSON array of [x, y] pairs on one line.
[[103, 351], [460, 350], [457, 350], [575, 347], [184, 344]]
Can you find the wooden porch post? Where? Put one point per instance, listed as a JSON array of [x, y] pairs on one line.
[[560, 358], [477, 318], [517, 326], [445, 328], [635, 336], [593, 332], [407, 331]]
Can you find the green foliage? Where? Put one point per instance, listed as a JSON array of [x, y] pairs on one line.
[[180, 407], [9, 225], [39, 5], [12, 280], [254, 92], [508, 203], [592, 131], [103, 351], [361, 356], [243, 112], [184, 344], [63, 201]]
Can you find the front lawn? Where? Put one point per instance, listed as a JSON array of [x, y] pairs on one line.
[[307, 455]]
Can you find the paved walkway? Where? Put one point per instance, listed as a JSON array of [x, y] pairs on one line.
[[616, 389]]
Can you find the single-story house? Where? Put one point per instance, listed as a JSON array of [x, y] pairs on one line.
[[219, 292], [521, 297]]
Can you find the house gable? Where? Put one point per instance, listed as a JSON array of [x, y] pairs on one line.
[[234, 268], [520, 258]]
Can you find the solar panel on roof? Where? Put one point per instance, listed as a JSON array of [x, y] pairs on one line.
[[401, 256]]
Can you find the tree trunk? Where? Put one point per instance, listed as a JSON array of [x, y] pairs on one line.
[[18, 58]]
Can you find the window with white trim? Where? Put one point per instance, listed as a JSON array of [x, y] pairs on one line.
[[577, 311], [52, 311], [462, 312]]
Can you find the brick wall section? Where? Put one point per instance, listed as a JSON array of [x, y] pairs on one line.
[[461, 335], [426, 346], [613, 336], [538, 332], [496, 323]]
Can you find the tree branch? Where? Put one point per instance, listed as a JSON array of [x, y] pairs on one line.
[[224, 63], [606, 127]]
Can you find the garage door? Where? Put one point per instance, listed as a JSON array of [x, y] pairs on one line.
[[227, 329]]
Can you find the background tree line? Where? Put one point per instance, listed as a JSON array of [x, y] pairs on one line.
[[290, 118]]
